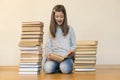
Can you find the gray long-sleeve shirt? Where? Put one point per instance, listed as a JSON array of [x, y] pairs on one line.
[[61, 44]]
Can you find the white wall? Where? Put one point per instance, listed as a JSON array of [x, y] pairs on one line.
[[91, 20]]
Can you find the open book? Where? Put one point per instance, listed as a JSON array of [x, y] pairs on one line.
[[58, 57]]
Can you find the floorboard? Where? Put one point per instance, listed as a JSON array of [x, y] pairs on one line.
[[103, 72]]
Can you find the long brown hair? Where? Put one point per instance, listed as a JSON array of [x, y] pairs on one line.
[[53, 24]]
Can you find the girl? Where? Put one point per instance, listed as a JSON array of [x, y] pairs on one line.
[[61, 40]]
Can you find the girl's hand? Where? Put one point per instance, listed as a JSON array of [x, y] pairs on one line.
[[48, 57], [71, 53]]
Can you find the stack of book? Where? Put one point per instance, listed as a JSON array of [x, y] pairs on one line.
[[85, 57], [31, 47]]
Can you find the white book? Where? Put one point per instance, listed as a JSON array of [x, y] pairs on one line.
[[35, 52], [31, 58], [85, 58], [22, 72], [31, 48], [30, 66], [88, 52], [31, 37], [29, 69], [30, 63], [85, 69]]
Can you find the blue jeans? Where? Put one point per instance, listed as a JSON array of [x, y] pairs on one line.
[[53, 66]]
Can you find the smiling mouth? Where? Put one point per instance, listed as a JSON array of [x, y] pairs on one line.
[[59, 21]]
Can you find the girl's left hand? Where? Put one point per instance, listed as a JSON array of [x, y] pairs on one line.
[[71, 53]]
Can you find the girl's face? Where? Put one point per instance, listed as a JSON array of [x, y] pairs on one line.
[[59, 18]]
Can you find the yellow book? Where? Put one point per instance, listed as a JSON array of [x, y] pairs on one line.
[[29, 43], [31, 55], [29, 60], [33, 23], [59, 58], [32, 29], [33, 32], [86, 43]]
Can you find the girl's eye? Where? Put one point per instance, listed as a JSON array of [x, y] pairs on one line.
[[56, 16]]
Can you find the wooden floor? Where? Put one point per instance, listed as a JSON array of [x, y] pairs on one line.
[[111, 72]]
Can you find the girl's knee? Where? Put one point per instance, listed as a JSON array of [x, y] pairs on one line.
[[66, 68], [49, 67]]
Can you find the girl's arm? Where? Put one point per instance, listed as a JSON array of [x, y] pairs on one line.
[[48, 47], [72, 42]]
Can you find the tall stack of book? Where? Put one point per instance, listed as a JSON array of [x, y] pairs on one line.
[[85, 57], [31, 47]]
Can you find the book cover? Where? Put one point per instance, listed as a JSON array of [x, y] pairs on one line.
[[86, 53], [30, 55], [31, 48], [86, 47], [32, 51], [85, 69], [34, 36], [85, 62], [28, 72], [29, 66], [84, 66], [32, 29], [32, 39], [86, 50], [59, 58], [29, 43], [30, 63], [86, 42], [34, 32], [32, 23], [29, 69], [85, 58], [30, 60]]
